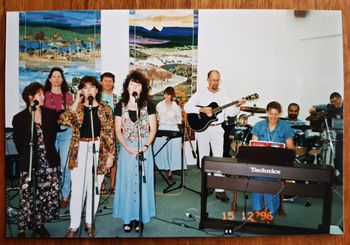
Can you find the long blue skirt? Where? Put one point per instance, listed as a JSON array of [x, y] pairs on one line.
[[127, 198], [168, 157]]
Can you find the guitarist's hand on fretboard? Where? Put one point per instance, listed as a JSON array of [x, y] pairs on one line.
[[207, 110], [241, 102]]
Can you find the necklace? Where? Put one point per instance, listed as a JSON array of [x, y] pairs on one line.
[[269, 134]]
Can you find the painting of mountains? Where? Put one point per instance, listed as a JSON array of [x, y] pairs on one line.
[[163, 44]]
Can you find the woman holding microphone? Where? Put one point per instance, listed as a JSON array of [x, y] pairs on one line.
[[93, 144]]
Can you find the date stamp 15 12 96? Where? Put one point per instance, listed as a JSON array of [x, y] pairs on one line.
[[251, 216]]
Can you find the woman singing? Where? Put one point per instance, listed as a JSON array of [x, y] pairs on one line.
[[45, 161], [271, 129], [170, 118], [81, 155], [135, 134]]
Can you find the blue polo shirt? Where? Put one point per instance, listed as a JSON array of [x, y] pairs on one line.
[[280, 134]]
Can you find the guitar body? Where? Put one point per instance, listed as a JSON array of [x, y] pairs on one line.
[[200, 122]]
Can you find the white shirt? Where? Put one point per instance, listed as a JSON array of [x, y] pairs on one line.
[[205, 97], [168, 114]]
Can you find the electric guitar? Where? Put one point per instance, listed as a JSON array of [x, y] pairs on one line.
[[200, 122]]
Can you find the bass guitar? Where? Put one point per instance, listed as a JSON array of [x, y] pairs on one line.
[[200, 122]]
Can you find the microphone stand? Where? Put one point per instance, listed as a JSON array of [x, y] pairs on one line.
[[140, 156], [29, 178], [94, 183], [31, 145], [246, 137], [188, 137], [33, 180]]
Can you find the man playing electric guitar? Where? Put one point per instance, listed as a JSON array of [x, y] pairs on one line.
[[213, 135]]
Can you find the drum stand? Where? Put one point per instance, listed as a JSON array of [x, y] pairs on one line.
[[330, 142]]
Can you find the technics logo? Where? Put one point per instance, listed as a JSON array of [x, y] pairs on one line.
[[265, 171]]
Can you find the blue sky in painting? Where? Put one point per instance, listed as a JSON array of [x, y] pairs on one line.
[[62, 18]]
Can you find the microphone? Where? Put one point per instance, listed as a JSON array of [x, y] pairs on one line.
[[90, 99], [135, 95], [35, 103]]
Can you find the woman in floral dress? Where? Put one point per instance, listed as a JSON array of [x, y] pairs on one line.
[[45, 161]]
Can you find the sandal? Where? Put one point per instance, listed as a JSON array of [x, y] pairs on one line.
[[112, 190], [64, 202], [128, 227], [103, 192], [90, 231], [71, 233], [138, 226]]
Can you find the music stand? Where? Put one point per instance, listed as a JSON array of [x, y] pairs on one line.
[[170, 135], [182, 185]]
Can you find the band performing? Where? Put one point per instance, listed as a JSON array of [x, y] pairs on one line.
[[68, 143]]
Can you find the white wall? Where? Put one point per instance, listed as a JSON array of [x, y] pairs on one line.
[[273, 53], [115, 44], [12, 97]]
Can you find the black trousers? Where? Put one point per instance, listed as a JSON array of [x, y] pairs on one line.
[[338, 158]]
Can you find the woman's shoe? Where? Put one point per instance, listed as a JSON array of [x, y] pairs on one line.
[[138, 226], [90, 231], [21, 234], [128, 227], [64, 203], [112, 190], [71, 233], [103, 192], [41, 230]]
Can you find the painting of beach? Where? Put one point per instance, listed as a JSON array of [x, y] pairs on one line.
[[67, 39], [163, 45]]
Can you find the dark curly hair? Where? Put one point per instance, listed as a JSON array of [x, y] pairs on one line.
[[91, 79], [31, 90], [293, 104], [64, 85], [138, 77]]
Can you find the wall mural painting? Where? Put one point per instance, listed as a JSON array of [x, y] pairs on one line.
[[67, 39], [163, 44]]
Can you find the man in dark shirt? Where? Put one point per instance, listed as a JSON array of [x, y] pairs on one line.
[[335, 120]]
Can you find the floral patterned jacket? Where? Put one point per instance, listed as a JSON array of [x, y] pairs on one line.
[[107, 135]]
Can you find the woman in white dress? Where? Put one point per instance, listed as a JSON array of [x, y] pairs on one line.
[[170, 117]]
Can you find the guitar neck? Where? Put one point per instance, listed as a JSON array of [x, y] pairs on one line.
[[220, 108]]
